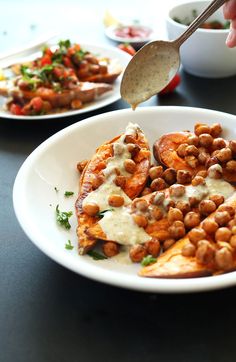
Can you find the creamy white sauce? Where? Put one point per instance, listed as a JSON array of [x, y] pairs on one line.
[[118, 223]]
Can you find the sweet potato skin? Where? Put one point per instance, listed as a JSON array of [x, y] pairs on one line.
[[172, 264]]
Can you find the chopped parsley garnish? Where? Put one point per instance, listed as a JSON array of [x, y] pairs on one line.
[[68, 245], [102, 213], [95, 255], [147, 260], [63, 218], [68, 193]]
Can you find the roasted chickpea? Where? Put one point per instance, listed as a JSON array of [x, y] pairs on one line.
[[81, 165], [191, 220], [153, 247], [228, 208], [215, 171], [129, 165], [206, 207], [232, 226], [232, 146], [191, 150], [174, 214], [155, 172], [203, 157], [192, 161], [223, 234], [184, 177], [158, 184], [205, 252], [168, 243], [120, 181], [155, 212], [196, 234], [216, 129], [169, 203], [231, 166], [232, 241], [169, 175], [110, 248], [193, 201], [210, 226], [177, 230], [177, 190], [222, 217], [224, 259], [201, 128], [183, 206], [181, 150], [205, 140], [224, 155], [90, 209], [233, 229], [129, 138], [192, 140], [218, 144], [213, 160], [116, 200], [189, 250], [157, 198], [140, 220], [198, 180], [137, 253], [217, 199], [140, 204]]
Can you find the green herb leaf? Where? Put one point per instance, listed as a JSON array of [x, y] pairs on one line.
[[102, 213], [69, 246], [95, 255], [147, 260], [62, 218], [68, 193]]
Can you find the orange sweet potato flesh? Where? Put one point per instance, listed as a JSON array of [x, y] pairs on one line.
[[164, 150], [133, 187], [172, 264]]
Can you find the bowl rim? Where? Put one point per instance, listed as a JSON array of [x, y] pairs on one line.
[[184, 27]]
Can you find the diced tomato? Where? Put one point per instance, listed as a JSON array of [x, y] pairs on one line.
[[127, 48], [67, 62], [46, 59], [37, 104], [16, 109], [47, 51], [172, 85], [58, 72]]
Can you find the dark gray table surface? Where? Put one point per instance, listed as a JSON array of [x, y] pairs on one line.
[[48, 313]]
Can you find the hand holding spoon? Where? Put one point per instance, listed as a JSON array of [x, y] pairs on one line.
[[155, 64]]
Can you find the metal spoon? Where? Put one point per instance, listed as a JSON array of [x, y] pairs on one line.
[[155, 64]]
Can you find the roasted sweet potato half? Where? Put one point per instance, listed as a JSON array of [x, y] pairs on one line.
[[175, 150], [173, 263], [95, 174]]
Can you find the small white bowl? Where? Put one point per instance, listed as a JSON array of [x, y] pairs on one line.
[[135, 41], [205, 53]]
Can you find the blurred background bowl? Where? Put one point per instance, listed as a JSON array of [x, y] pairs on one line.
[[205, 53]]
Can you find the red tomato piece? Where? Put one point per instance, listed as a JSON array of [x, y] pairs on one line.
[[37, 104], [127, 48], [45, 60], [172, 85], [16, 109]]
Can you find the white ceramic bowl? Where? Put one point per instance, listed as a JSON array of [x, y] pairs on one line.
[[205, 53]]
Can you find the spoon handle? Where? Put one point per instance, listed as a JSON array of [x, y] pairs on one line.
[[212, 7]]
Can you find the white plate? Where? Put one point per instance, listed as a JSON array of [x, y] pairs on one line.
[[53, 164], [118, 56]]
